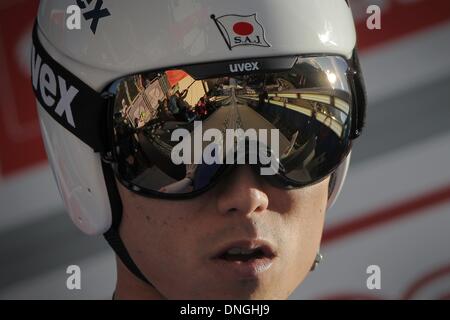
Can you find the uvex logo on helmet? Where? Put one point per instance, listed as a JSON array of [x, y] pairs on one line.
[[51, 89], [238, 30]]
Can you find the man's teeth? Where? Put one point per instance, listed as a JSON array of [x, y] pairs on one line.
[[240, 251]]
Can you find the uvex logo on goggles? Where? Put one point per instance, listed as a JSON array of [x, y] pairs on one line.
[[244, 67], [52, 88]]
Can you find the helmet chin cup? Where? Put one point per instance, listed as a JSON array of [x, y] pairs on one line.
[[79, 177]]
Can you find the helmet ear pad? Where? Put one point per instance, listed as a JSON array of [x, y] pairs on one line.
[[337, 180], [79, 176]]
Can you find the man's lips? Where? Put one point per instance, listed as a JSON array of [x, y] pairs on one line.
[[265, 248], [257, 257]]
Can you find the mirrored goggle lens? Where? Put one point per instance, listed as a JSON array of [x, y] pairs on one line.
[[175, 130]]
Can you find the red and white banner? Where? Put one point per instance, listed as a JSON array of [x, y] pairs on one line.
[[393, 213]]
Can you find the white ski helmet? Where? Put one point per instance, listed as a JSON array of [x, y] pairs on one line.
[[119, 38]]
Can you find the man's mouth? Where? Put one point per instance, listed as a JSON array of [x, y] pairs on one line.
[[245, 251], [241, 254], [245, 259]]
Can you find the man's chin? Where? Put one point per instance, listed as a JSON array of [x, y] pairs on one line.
[[245, 290]]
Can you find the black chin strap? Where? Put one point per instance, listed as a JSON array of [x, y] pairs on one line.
[[112, 236]]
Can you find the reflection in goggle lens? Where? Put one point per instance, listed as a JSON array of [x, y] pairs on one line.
[[173, 132]]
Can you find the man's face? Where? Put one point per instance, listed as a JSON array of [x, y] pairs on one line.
[[179, 245]]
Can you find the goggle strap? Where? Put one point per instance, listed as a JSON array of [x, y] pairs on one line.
[[68, 100]]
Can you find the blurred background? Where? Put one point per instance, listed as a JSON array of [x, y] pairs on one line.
[[394, 211]]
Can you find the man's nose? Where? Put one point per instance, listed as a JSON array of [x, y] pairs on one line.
[[241, 193]]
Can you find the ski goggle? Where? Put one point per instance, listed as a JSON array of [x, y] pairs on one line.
[[174, 133]]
